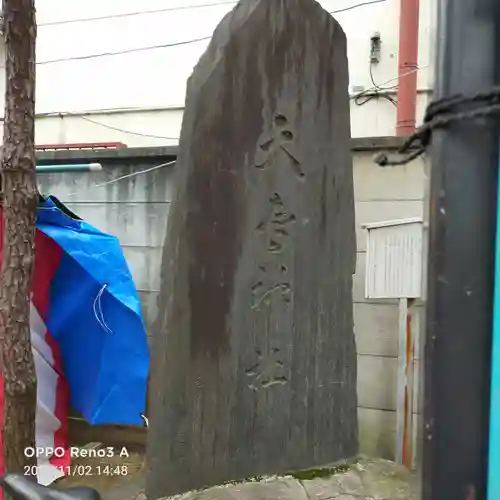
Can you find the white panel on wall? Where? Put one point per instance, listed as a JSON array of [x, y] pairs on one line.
[[394, 259]]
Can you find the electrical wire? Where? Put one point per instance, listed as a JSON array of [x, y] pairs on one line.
[[175, 44], [132, 14], [124, 131], [174, 9], [379, 89], [352, 7], [100, 124], [380, 85], [376, 92], [375, 88], [152, 136], [122, 52]]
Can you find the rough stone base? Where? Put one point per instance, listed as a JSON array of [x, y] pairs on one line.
[[364, 479]]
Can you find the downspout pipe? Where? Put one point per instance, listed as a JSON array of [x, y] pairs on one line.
[[408, 67]]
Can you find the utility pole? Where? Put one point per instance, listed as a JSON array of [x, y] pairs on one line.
[[20, 199], [462, 230]]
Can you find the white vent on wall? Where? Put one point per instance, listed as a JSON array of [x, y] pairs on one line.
[[394, 259]]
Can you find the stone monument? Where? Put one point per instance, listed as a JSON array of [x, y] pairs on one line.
[[254, 358]]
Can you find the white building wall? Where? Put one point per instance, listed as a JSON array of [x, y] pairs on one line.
[[135, 210], [137, 98], [142, 92], [381, 194]]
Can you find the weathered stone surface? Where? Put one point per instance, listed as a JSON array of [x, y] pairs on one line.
[[266, 489], [368, 479], [385, 479], [323, 489], [254, 363]]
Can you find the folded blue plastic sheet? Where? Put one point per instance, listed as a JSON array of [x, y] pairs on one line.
[[94, 316]]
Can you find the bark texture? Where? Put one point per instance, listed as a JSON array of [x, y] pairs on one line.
[[254, 359], [19, 210]]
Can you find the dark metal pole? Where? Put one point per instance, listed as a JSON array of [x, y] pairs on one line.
[[462, 222]]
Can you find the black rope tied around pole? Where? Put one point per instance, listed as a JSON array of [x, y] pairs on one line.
[[440, 114]]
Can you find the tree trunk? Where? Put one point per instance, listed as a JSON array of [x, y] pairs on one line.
[[20, 201]]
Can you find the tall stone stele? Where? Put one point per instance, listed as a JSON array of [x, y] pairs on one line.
[[254, 358]]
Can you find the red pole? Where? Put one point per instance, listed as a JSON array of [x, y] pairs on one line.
[[408, 66]]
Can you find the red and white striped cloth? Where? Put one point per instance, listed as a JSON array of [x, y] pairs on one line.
[[52, 389]]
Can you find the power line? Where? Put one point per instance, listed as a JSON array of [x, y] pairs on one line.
[[175, 44], [396, 78], [141, 134], [174, 9], [100, 124], [362, 93], [122, 52], [125, 131], [352, 7], [133, 14], [378, 88]]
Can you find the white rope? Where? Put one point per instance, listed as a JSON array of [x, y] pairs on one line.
[[128, 176], [97, 307], [145, 420]]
